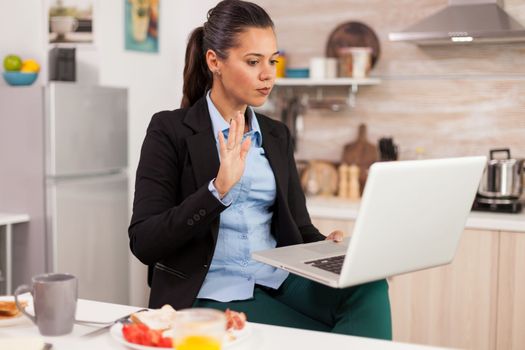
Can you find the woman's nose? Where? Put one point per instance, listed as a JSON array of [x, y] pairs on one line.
[[268, 73]]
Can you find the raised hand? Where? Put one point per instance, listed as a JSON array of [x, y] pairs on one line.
[[233, 154]]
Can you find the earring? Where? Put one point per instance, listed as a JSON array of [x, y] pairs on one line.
[[218, 72]]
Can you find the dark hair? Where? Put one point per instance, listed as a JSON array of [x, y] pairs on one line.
[[225, 21]]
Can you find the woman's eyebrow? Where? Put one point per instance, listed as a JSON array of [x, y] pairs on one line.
[[260, 54]]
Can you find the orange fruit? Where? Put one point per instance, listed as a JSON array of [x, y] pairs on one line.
[[30, 66]]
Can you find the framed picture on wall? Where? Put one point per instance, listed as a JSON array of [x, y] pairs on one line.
[[71, 21], [141, 25]]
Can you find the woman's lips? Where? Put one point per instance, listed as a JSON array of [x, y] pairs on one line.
[[265, 91]]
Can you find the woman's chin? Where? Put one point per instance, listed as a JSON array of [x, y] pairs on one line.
[[258, 102]]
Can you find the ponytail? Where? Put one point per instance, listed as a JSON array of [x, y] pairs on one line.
[[197, 78]]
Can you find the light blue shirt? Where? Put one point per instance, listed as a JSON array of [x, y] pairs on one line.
[[245, 226]]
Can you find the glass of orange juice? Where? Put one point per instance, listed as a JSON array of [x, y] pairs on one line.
[[199, 329]]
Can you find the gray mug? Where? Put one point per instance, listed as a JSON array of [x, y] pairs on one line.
[[54, 300]]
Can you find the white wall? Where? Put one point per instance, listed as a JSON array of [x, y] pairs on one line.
[[22, 32], [154, 81]]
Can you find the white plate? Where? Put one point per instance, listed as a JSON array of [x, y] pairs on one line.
[[21, 319], [232, 337]]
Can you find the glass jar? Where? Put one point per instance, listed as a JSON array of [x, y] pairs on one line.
[[355, 62]]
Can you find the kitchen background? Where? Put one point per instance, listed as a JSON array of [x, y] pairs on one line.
[[449, 100]]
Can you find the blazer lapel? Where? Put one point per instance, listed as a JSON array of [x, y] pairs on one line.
[[201, 146]]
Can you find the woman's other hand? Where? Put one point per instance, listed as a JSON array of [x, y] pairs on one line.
[[336, 236], [233, 156]]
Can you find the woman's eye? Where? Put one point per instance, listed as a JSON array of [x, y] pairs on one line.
[[274, 62], [253, 62]]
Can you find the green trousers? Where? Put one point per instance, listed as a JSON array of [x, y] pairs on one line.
[[362, 310]]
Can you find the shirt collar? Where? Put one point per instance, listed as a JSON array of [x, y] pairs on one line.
[[219, 124]]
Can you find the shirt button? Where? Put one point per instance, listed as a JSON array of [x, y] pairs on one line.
[[244, 236], [244, 263], [196, 217], [190, 222], [202, 212]]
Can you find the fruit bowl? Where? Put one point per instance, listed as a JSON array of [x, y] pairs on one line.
[[20, 78]]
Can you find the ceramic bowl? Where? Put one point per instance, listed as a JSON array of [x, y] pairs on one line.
[[20, 78]]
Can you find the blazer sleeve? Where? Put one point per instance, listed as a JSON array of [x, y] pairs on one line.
[[296, 199], [162, 221]]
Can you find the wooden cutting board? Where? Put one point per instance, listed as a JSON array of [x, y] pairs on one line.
[[362, 153]]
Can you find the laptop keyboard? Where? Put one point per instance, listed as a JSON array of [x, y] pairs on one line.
[[333, 264]]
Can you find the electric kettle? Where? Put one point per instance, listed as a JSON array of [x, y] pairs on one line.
[[502, 177]]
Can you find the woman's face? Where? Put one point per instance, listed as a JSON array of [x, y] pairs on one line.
[[247, 75]]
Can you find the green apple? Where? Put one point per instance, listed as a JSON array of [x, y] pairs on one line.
[[12, 63]]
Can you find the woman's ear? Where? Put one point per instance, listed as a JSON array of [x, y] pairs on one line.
[[213, 62]]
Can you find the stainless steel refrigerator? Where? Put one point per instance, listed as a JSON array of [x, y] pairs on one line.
[[86, 188], [63, 156]]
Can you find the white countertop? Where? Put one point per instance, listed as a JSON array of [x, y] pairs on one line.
[[9, 219], [261, 337], [340, 209]]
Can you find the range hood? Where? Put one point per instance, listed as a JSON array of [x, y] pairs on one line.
[[464, 21]]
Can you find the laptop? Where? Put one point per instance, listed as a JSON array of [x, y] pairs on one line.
[[411, 217]]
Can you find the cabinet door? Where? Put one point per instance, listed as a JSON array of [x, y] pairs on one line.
[[325, 226], [452, 305], [511, 295]]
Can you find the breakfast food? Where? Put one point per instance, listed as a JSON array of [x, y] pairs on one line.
[[8, 309], [141, 334], [157, 319], [153, 327], [235, 320]]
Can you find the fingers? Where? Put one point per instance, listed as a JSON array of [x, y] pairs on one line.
[[336, 236], [222, 143], [231, 135], [236, 132], [245, 147], [240, 127]]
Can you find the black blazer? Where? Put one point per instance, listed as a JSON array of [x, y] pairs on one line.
[[175, 218]]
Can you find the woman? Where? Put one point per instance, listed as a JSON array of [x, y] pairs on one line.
[[217, 181]]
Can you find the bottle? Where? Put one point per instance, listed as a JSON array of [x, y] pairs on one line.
[[343, 181], [353, 182], [280, 67]]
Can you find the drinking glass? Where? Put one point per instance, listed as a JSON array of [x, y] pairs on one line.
[[199, 329]]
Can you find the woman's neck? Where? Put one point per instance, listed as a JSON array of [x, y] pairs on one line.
[[226, 107]]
